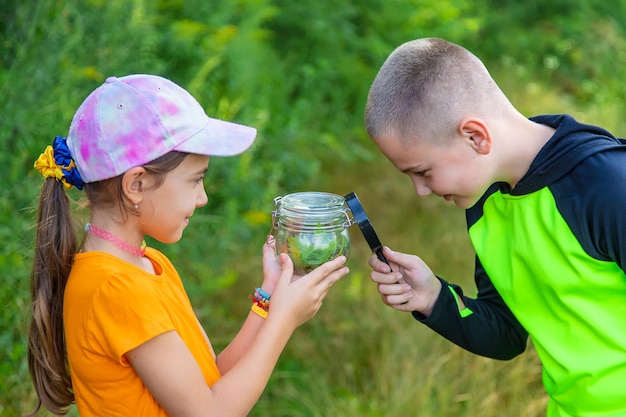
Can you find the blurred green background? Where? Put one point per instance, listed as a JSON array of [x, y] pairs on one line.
[[299, 71]]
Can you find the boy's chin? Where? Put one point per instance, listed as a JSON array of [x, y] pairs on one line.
[[464, 203]]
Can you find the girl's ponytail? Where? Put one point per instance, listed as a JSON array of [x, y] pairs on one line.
[[55, 246]]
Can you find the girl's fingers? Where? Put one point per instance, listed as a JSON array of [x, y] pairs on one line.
[[286, 268], [323, 271]]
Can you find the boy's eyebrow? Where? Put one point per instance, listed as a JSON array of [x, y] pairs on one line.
[[410, 169]]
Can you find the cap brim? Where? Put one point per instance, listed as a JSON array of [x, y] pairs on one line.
[[219, 138]]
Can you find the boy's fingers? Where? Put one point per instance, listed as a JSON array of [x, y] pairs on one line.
[[378, 265], [390, 278]]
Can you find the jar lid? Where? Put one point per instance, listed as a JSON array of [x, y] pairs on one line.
[[312, 201]]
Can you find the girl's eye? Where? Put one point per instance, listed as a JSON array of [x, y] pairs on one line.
[[199, 180]]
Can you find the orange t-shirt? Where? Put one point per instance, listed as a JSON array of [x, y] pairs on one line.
[[111, 307]]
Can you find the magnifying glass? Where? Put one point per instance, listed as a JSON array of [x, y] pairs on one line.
[[365, 225]]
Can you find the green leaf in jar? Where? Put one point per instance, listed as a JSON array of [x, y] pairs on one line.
[[310, 250]]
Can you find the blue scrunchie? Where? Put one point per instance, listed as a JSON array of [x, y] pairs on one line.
[[63, 158]]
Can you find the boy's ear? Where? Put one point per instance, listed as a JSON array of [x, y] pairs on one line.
[[477, 134], [133, 184]]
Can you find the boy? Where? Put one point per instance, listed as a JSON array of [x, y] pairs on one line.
[[544, 200]]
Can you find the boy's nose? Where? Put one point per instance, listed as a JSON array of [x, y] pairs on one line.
[[422, 190]]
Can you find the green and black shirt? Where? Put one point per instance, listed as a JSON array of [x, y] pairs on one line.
[[550, 262]]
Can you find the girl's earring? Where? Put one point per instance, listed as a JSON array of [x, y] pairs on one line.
[[136, 206]]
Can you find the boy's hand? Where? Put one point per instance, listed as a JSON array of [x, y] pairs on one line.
[[411, 286]]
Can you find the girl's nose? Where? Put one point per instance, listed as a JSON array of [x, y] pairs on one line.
[[202, 198]]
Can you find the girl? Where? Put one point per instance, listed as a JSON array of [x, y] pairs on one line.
[[112, 327]]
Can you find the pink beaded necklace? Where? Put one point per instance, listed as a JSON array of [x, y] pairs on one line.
[[120, 243]]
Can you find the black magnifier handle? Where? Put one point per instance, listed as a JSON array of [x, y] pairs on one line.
[[366, 226]]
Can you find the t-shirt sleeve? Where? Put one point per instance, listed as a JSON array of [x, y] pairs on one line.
[[127, 312]]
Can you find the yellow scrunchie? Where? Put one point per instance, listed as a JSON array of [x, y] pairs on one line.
[[48, 167]]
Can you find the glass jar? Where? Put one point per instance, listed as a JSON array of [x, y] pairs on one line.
[[312, 227]]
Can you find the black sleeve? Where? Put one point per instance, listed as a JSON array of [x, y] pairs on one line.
[[490, 329], [596, 215]]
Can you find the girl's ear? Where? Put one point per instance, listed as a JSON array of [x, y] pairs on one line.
[[133, 182], [477, 134]]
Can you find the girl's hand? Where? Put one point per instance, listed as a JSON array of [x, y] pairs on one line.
[[271, 266], [297, 301]]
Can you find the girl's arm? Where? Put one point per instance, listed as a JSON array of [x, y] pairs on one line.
[[248, 332], [175, 380]]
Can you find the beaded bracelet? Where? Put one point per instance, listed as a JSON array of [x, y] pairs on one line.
[[263, 294], [260, 302]]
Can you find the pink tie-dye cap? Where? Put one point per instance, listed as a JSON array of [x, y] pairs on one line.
[[130, 121]]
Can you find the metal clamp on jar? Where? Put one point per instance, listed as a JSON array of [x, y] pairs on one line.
[[312, 227]]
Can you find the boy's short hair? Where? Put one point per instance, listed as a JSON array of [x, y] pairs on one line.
[[424, 88]]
